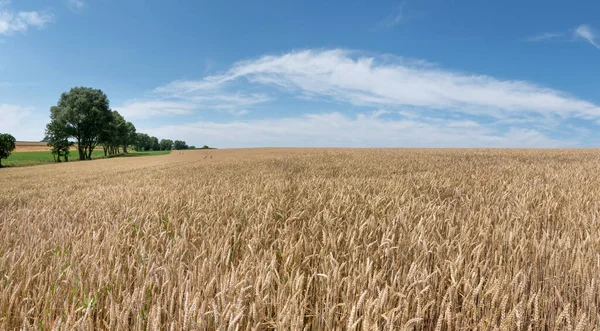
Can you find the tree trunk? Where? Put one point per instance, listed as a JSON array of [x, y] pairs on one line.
[[105, 150], [80, 149]]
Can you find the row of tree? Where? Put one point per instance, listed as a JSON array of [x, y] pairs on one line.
[[145, 142], [84, 114]]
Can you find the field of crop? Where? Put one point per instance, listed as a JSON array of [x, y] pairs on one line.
[[294, 239], [23, 159], [31, 146]]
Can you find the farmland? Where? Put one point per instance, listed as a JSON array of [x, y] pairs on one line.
[[29, 146], [321, 239], [32, 153]]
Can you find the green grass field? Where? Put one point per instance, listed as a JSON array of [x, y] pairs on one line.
[[24, 159]]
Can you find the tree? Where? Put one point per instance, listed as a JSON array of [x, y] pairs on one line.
[[60, 148], [143, 142], [178, 145], [155, 144], [59, 142], [116, 134], [7, 145], [166, 145], [82, 113], [108, 135], [130, 135]]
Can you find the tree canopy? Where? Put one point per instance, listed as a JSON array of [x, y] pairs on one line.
[[7, 145], [117, 133], [84, 114], [179, 144], [166, 144]]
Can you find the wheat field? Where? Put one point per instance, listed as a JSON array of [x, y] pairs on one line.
[[313, 239], [25, 146]]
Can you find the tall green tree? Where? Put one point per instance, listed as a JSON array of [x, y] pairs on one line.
[[83, 114], [129, 138], [179, 144], [61, 148], [59, 141], [7, 145], [143, 142], [155, 144], [166, 144], [115, 134]]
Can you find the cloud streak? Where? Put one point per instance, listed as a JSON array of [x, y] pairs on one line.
[[586, 33], [350, 77], [545, 36], [395, 18], [389, 101], [364, 130], [154, 108]]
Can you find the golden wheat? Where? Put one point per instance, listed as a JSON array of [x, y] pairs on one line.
[[304, 239]]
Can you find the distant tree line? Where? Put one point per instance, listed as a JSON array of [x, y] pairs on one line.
[[144, 142], [84, 114]]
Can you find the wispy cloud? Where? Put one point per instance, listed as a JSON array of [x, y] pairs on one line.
[[12, 114], [154, 108], [394, 102], [586, 33], [12, 22], [545, 36], [175, 100], [76, 4], [339, 130], [24, 123], [395, 18], [13, 117], [582, 32], [349, 77]]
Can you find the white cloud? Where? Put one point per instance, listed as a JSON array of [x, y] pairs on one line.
[[545, 36], [394, 18], [587, 33], [22, 122], [76, 4], [188, 103], [367, 81], [239, 112], [462, 124], [338, 130], [154, 108], [12, 115], [380, 112], [225, 101], [11, 22]]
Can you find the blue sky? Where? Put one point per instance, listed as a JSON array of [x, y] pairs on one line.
[[427, 73]]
